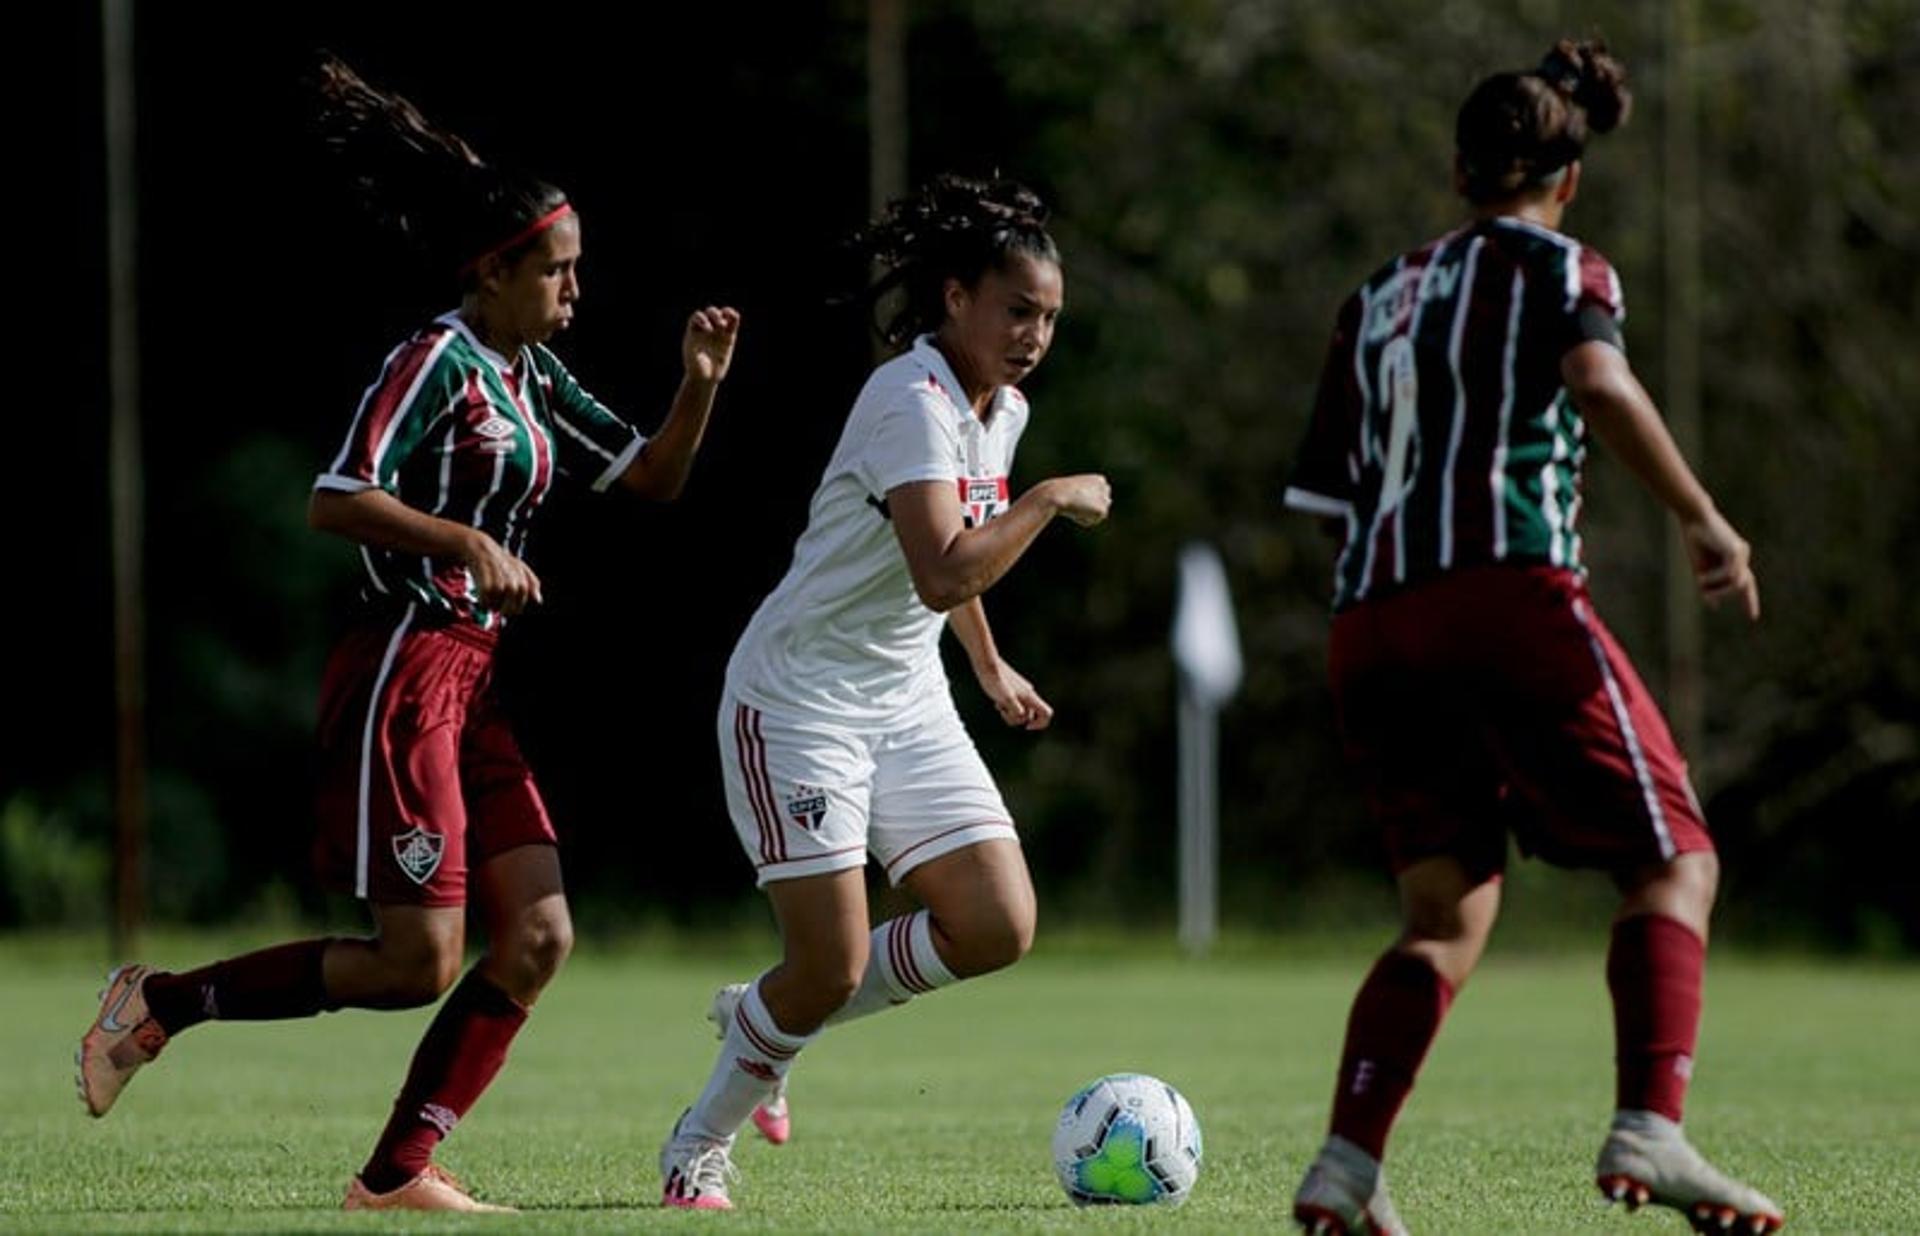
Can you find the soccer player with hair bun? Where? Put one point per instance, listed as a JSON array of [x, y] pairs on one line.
[[424, 799], [838, 733], [1478, 692]]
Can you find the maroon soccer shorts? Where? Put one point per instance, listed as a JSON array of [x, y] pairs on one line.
[[1493, 700], [420, 777]]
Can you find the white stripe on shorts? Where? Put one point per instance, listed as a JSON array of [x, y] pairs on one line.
[[363, 834], [1648, 791]]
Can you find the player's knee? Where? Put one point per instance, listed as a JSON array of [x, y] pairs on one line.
[[1444, 924], [544, 945], [991, 942], [420, 975], [1683, 887], [823, 984]]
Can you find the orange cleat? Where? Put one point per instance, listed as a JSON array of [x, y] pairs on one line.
[[433, 1189], [122, 1038]]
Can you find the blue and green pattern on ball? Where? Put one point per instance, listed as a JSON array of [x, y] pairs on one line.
[[1117, 1171]]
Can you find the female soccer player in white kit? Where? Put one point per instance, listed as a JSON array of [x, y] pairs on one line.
[[838, 733]]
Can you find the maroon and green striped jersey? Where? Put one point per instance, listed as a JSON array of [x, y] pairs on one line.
[[1442, 434], [454, 429]]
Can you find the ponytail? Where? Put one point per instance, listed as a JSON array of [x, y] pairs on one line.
[[423, 183], [1518, 130]]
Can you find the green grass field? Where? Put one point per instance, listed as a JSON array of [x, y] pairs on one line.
[[935, 1118]]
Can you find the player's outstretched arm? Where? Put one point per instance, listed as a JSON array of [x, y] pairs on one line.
[[1623, 416], [377, 518], [660, 470], [1012, 695], [951, 563]]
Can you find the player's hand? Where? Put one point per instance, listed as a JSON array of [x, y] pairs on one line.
[[707, 349], [1084, 499], [1722, 562], [502, 581], [1014, 698]]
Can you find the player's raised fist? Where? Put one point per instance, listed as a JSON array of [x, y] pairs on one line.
[[707, 349], [1085, 499]]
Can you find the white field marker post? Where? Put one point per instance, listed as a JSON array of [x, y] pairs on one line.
[[1206, 651]]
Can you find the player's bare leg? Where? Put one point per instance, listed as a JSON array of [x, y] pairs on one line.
[[981, 903], [412, 957], [1654, 969]]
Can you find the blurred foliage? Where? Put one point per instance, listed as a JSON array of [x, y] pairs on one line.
[[50, 876], [1224, 171]]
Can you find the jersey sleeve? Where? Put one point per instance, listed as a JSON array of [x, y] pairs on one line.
[[1594, 307], [1324, 471], [415, 388], [591, 443], [913, 439]]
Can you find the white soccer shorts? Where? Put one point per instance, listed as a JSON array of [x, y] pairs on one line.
[[808, 797]]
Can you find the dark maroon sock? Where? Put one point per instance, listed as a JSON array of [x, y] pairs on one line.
[[270, 985], [457, 1058], [1394, 1020], [1654, 970]]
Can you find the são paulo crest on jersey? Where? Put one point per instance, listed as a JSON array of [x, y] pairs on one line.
[[982, 497]]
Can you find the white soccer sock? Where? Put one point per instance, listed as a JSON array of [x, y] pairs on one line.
[[901, 964], [755, 1054]]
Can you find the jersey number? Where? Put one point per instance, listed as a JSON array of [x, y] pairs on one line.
[[1402, 391]]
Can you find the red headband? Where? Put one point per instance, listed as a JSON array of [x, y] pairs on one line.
[[523, 235]]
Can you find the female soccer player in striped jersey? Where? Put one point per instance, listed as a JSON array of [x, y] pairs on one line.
[[838, 734], [470, 424], [1478, 691]]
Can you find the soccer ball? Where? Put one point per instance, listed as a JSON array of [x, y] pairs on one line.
[[1127, 1139]]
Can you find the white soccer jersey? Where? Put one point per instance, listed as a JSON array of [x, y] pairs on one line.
[[844, 637]]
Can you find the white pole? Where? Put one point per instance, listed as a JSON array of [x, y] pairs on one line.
[[1206, 648], [1199, 825]]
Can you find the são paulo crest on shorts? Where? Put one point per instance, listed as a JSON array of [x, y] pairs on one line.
[[808, 806]]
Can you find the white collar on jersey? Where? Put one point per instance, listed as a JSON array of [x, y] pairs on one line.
[[935, 360], [452, 318]]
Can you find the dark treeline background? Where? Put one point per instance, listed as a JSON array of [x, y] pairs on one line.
[[1224, 172]]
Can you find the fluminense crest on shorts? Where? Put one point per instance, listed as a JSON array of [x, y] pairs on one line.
[[418, 853], [808, 806]]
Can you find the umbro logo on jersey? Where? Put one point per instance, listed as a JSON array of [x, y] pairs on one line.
[[418, 852], [808, 806], [498, 435]]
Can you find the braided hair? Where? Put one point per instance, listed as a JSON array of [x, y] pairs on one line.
[[423, 183], [1517, 130], [952, 227]]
